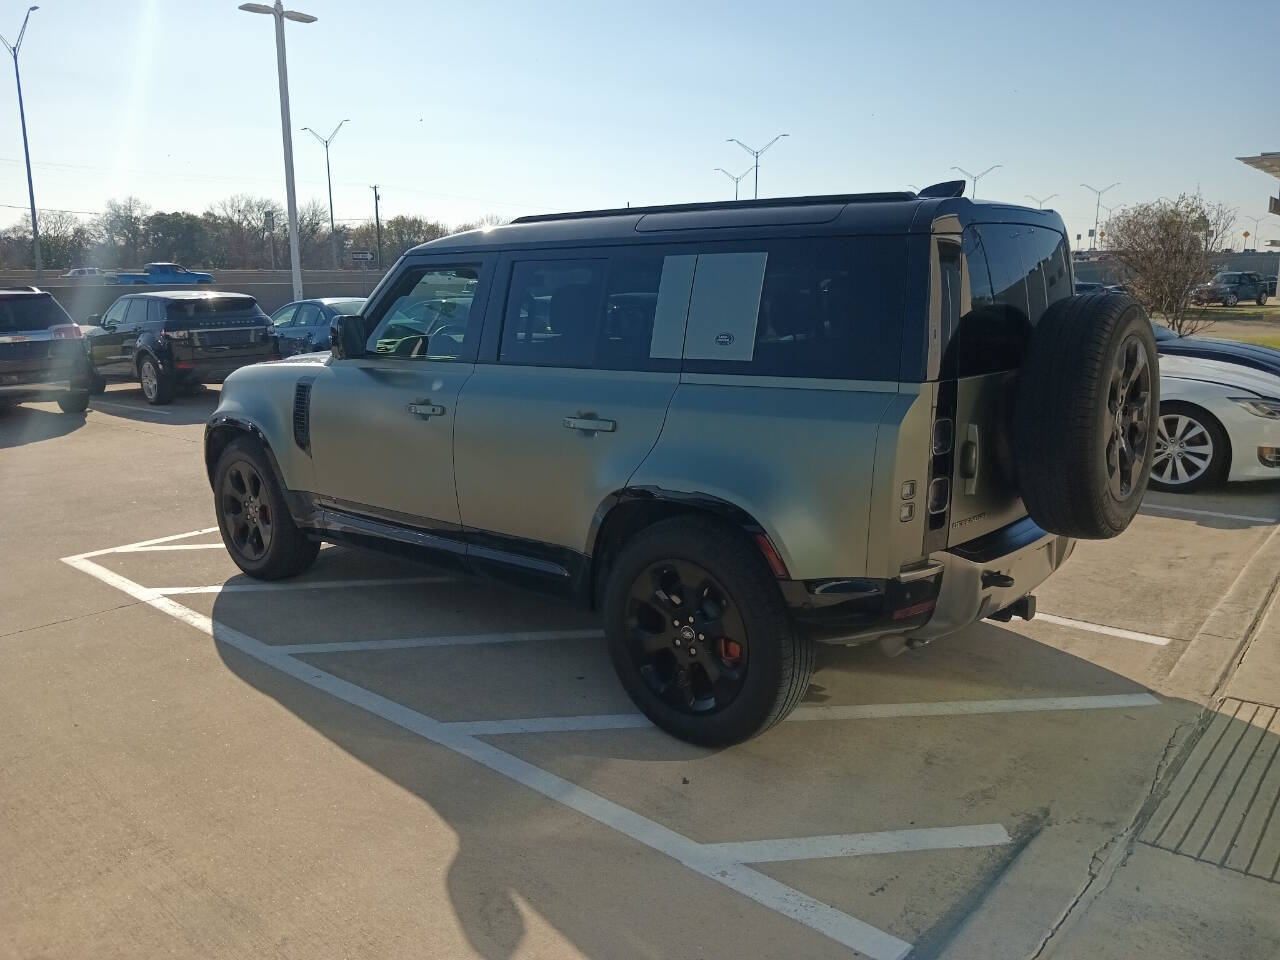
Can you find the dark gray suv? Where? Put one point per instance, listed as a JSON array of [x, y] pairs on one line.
[[736, 429]]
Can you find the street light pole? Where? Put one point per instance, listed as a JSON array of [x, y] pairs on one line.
[[1257, 223], [26, 151], [755, 156], [278, 11], [1097, 210], [1040, 203], [975, 177], [736, 180], [377, 223], [325, 141]]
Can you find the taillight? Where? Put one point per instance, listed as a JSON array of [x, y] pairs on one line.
[[939, 494], [66, 331]]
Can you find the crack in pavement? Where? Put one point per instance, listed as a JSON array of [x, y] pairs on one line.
[[81, 616]]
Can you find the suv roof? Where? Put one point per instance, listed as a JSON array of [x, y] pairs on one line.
[[836, 214], [190, 295]]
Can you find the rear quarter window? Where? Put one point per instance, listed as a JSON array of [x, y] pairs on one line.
[[829, 308]]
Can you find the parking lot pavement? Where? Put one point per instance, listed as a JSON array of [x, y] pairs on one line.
[[381, 759]]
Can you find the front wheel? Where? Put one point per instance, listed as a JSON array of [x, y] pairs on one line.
[[1230, 300], [97, 383], [699, 635], [253, 518], [1191, 449]]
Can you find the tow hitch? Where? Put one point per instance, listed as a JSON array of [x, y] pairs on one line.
[[1024, 607]]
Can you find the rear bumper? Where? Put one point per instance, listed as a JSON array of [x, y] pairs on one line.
[[953, 589], [215, 369], [986, 575], [36, 390]]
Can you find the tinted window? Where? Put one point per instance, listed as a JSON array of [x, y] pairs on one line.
[[429, 315], [208, 307], [137, 313], [830, 308], [347, 308], [31, 313], [308, 315], [1003, 292], [554, 312]]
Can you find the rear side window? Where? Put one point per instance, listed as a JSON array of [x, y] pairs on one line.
[[824, 308], [30, 313], [598, 312]]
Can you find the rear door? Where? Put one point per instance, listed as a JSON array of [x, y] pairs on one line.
[[572, 399], [127, 331], [1008, 275]]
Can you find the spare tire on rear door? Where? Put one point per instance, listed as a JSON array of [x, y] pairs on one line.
[[1088, 395]]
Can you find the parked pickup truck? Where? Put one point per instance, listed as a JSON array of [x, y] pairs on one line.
[[164, 273]]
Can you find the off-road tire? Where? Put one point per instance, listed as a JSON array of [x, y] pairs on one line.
[[1061, 420], [291, 551], [781, 660]]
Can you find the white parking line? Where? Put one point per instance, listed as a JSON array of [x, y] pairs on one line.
[[1102, 628], [129, 547], [356, 646], [283, 585], [1209, 513], [864, 711], [129, 406], [172, 546], [861, 844], [821, 917]]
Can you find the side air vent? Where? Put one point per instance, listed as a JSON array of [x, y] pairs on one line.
[[302, 415]]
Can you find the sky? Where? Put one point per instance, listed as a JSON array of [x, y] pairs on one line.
[[458, 110]]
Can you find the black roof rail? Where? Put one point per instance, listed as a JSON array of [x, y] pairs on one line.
[[23, 287], [887, 197], [947, 188]]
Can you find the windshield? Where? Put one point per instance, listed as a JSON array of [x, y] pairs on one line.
[[30, 313]]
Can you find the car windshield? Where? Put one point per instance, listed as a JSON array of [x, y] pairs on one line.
[[30, 313]]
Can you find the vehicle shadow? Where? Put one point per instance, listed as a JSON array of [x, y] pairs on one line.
[[21, 425], [1224, 506], [508, 840], [127, 403]]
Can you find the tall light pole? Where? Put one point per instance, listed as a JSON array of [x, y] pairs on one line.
[[1040, 203], [755, 156], [281, 14], [736, 180], [1257, 223], [975, 177], [1097, 210], [13, 49], [325, 141]]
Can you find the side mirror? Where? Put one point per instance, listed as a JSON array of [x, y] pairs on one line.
[[93, 320], [346, 337]]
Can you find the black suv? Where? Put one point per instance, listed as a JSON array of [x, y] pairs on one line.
[[42, 355], [178, 337], [1229, 289]]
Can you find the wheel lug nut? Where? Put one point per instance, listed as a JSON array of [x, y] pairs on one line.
[[675, 623], [677, 641], [701, 637], [693, 652], [691, 619]]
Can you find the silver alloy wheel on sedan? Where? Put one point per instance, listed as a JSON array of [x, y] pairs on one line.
[[1184, 449]]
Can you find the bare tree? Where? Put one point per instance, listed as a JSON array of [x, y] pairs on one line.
[[1168, 248]]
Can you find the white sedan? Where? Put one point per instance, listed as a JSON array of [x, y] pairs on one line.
[[1217, 421]]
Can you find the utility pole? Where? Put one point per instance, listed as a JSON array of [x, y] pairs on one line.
[[755, 156], [281, 15], [1040, 203], [1257, 222], [377, 223], [975, 177], [736, 180], [1097, 210], [26, 150], [325, 141]]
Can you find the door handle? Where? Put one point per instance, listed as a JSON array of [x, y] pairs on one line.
[[589, 424], [425, 409]]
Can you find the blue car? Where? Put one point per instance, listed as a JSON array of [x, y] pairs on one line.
[[303, 325], [1229, 351]]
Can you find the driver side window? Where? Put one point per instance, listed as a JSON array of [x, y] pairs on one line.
[[116, 313], [428, 315]]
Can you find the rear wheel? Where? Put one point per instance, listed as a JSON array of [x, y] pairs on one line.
[[157, 386], [699, 634], [257, 528], [1192, 449], [1262, 299]]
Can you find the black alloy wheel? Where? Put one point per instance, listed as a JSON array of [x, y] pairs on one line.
[[1129, 401], [686, 638], [246, 511]]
